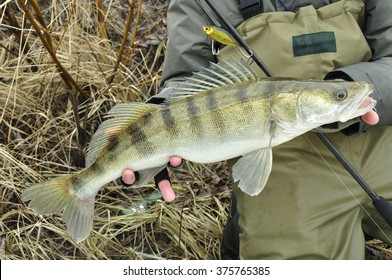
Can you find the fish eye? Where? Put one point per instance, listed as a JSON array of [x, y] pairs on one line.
[[340, 94]]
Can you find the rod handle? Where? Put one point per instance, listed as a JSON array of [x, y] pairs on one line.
[[384, 208]]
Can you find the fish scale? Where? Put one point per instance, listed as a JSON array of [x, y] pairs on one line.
[[219, 113]]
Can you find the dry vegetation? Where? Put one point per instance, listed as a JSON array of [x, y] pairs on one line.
[[47, 119], [63, 65]]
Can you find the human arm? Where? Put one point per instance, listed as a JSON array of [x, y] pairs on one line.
[[378, 32]]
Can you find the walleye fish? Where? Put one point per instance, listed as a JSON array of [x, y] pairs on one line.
[[219, 113]]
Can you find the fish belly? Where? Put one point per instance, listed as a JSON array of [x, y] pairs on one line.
[[228, 150]]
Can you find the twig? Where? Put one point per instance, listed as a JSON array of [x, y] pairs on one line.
[[123, 42], [135, 27], [40, 19], [146, 34], [73, 5], [46, 39], [150, 29], [100, 8], [47, 42], [11, 21], [8, 50]]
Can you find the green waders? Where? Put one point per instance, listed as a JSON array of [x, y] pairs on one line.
[[307, 210]]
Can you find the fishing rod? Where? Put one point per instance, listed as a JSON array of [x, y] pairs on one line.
[[380, 203]]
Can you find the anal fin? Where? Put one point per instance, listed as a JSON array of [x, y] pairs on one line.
[[146, 175]]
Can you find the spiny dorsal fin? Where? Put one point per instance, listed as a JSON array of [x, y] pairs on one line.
[[217, 75], [118, 118]]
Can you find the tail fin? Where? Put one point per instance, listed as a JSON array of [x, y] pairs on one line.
[[56, 195]]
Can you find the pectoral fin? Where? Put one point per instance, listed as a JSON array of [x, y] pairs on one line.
[[252, 171]]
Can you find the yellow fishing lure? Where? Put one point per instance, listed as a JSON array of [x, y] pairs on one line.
[[220, 35]]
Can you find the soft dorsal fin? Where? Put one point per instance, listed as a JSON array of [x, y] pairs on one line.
[[218, 74], [118, 118]]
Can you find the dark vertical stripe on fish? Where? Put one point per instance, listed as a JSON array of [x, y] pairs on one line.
[[241, 93], [193, 114], [139, 138], [271, 87], [217, 118], [169, 121], [96, 168], [247, 109], [113, 144]]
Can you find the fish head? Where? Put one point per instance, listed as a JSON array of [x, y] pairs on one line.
[[331, 101]]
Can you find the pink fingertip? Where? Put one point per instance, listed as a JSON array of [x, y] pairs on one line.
[[175, 161], [166, 190], [371, 118], [128, 176]]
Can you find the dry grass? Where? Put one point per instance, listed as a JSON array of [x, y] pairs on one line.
[[56, 83], [43, 135]]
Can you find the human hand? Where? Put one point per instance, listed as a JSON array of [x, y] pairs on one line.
[[162, 179]]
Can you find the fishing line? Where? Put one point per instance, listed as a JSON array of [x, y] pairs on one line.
[[347, 188]]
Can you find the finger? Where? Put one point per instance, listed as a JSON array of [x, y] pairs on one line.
[[371, 118], [129, 177], [166, 190], [175, 161], [162, 181]]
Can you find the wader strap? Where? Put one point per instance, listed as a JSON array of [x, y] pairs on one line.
[[249, 8]]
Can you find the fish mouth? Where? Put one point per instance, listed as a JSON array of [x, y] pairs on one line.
[[359, 108], [362, 104]]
